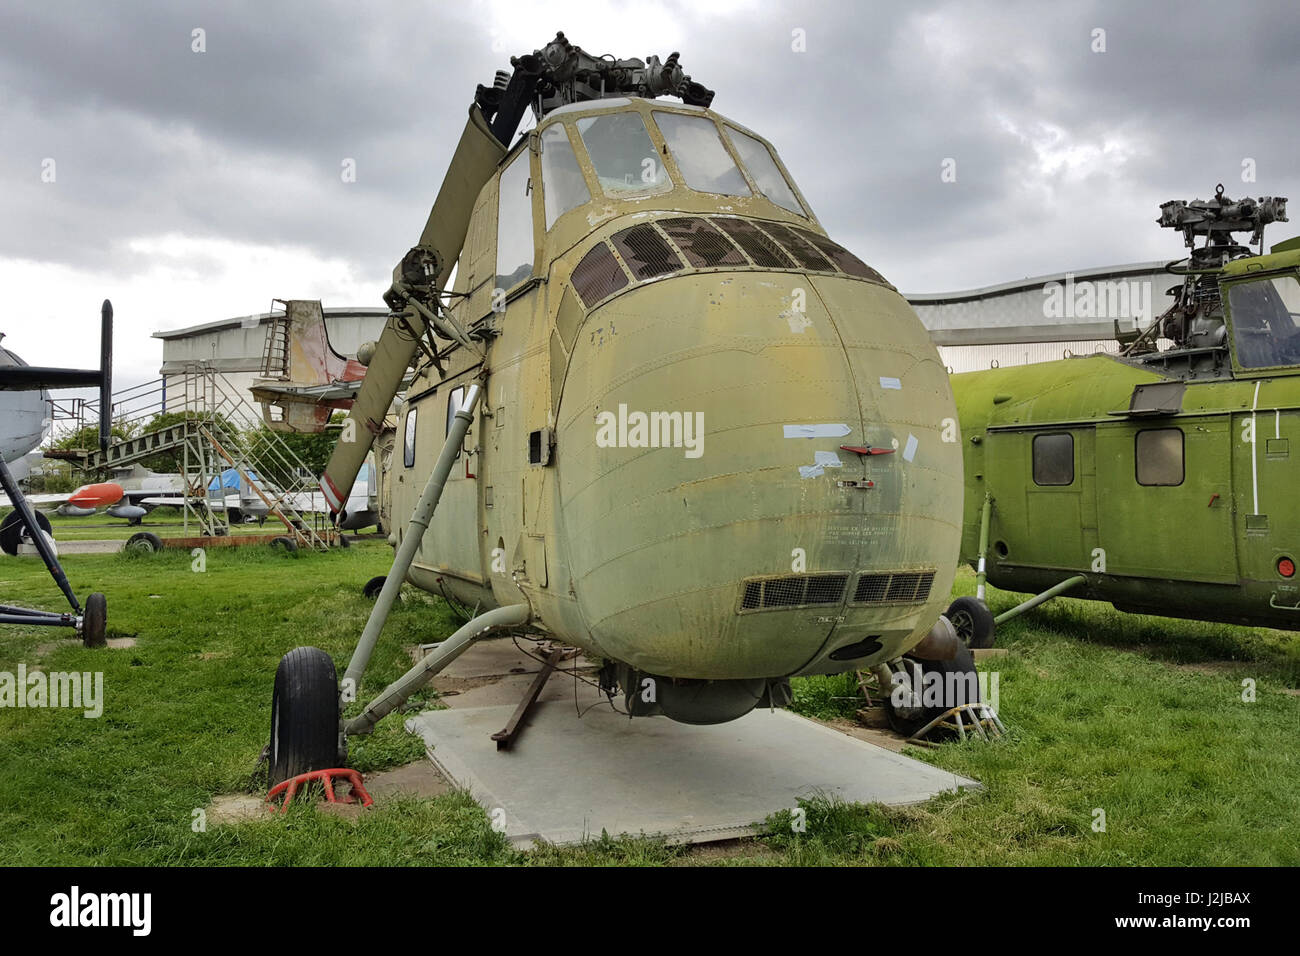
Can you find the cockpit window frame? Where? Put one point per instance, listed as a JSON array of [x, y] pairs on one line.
[[670, 182], [727, 129], [577, 150], [1226, 287], [678, 174], [526, 153]]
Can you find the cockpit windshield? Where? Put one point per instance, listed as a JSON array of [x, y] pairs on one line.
[[627, 163], [697, 148], [621, 152], [1264, 321], [564, 187], [764, 171]]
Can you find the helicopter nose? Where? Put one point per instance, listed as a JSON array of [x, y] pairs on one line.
[[730, 463]]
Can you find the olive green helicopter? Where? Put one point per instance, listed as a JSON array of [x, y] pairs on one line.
[[658, 415], [1159, 479]]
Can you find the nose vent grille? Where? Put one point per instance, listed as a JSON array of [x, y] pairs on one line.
[[715, 242], [797, 590], [703, 246], [646, 252], [757, 244], [800, 248], [844, 260], [598, 275], [897, 587]]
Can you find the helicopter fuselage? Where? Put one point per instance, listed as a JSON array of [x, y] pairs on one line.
[[1165, 479], [713, 445]]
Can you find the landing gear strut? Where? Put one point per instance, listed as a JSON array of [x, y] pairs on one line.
[[307, 733], [25, 524]]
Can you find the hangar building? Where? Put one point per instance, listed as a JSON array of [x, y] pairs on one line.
[[1015, 323]]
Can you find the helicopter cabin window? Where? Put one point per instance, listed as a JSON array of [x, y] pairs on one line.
[[1159, 456], [514, 225], [764, 171], [1054, 459], [563, 187], [1264, 316], [622, 154], [408, 439], [704, 162], [454, 402]]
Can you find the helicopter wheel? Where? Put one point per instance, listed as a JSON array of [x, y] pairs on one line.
[[304, 715], [374, 586], [908, 720], [94, 619], [972, 620]]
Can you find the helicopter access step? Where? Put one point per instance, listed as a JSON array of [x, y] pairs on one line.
[[571, 778]]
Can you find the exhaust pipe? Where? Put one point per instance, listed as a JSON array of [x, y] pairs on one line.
[[941, 644]]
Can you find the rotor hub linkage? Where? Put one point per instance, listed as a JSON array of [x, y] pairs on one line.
[[561, 73]]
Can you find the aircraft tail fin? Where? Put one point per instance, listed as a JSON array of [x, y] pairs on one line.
[[303, 378]]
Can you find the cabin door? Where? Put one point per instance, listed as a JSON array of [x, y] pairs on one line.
[[1164, 499]]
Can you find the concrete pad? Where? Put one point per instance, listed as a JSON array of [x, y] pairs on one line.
[[567, 779]]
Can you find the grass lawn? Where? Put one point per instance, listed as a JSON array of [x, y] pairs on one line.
[[1142, 718]]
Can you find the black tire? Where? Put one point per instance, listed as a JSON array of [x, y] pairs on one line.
[[13, 529], [344, 542], [94, 621], [143, 542], [907, 721], [973, 621], [285, 543], [304, 715], [374, 586]]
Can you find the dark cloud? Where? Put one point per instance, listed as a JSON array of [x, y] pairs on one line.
[[1062, 154]]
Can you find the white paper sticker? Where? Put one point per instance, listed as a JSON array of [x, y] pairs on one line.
[[816, 431], [909, 451], [890, 382], [821, 461]]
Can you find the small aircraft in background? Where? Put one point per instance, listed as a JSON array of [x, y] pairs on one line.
[[244, 495], [130, 494], [25, 418]]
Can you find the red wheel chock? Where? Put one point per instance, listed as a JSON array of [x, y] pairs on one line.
[[289, 787]]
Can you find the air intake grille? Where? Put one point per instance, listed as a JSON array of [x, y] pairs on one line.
[[757, 244], [803, 250], [646, 252], [702, 245], [798, 590], [897, 587], [844, 260], [597, 275]]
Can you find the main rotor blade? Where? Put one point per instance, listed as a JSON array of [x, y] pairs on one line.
[[475, 160]]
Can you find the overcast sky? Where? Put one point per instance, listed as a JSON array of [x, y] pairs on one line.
[[193, 186]]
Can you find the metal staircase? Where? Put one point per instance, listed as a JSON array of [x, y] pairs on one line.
[[213, 430]]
